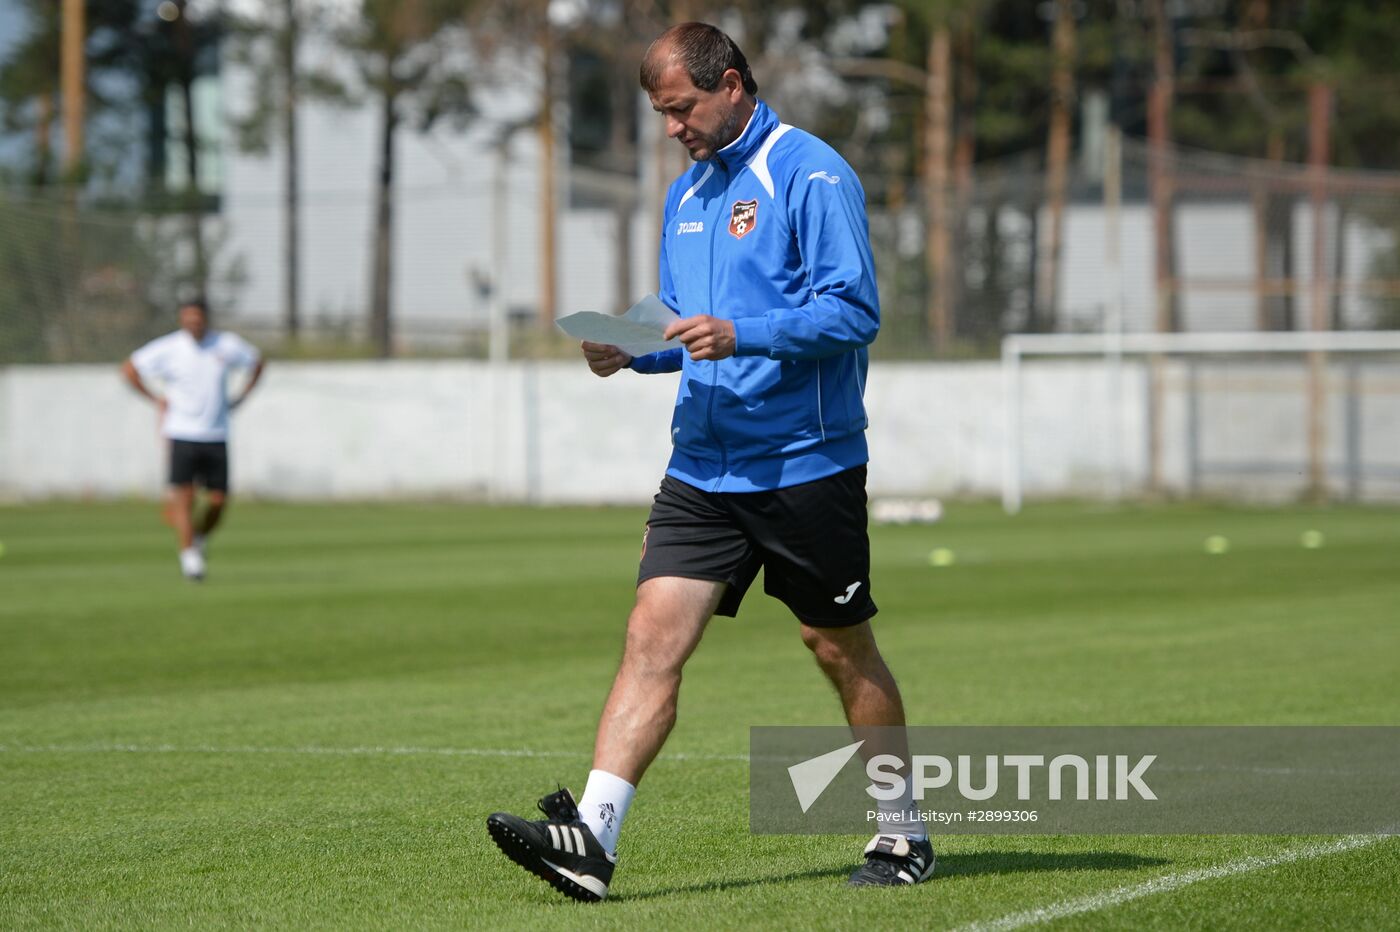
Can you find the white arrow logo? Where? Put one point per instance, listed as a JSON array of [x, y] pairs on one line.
[[811, 777], [850, 591]]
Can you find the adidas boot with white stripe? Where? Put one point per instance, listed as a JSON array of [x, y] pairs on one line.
[[894, 860], [559, 849]]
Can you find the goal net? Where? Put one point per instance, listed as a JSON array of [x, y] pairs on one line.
[[1247, 416]]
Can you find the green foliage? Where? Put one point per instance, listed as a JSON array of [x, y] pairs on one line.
[[405, 51], [257, 42], [32, 71]]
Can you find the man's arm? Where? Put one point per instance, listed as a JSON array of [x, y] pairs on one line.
[[833, 237], [248, 389], [844, 311], [133, 378]]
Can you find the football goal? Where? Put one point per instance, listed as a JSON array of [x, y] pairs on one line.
[[1266, 415]]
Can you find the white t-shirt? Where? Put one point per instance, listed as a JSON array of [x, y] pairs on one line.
[[196, 380]]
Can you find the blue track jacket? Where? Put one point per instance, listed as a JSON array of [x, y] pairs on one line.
[[770, 233]]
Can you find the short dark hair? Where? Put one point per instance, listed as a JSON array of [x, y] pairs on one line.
[[705, 52], [195, 301]]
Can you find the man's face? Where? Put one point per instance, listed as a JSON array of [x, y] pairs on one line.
[[703, 121], [193, 320]]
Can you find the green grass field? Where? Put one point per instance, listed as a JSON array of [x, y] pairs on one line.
[[313, 738]]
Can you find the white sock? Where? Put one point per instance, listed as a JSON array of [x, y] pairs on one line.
[[604, 806], [191, 562], [901, 816]]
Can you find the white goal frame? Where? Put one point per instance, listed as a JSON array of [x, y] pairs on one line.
[[1114, 346]]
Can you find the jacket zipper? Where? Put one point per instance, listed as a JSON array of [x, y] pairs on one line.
[[714, 364]]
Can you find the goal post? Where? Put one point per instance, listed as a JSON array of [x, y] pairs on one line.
[[1312, 349]]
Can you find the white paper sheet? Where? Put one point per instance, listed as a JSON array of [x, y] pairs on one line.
[[638, 331]]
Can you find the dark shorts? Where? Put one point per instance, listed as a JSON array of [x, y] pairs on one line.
[[205, 464], [810, 540]]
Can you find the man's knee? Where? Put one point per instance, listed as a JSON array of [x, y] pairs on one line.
[[843, 649], [666, 623], [651, 649], [216, 498]]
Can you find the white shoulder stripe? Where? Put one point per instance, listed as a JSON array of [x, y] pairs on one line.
[[709, 170], [758, 162]]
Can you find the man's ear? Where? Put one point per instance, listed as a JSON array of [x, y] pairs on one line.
[[733, 84]]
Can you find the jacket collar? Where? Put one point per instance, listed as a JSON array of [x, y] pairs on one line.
[[761, 123]]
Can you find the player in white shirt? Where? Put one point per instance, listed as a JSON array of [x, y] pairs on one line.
[[193, 364]]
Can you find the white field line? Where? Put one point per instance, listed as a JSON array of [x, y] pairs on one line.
[[359, 751], [1108, 899]]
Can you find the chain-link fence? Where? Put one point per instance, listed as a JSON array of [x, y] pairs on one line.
[[1180, 242]]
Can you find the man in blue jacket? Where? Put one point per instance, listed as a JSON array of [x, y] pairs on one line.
[[766, 260]]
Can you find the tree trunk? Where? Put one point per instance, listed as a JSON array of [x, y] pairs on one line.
[[624, 202], [1339, 265], [291, 200], [381, 334], [1319, 138], [964, 151], [549, 205], [622, 254], [1159, 137], [1276, 256], [194, 212], [937, 116], [1159, 171], [74, 85], [43, 140], [1057, 163]]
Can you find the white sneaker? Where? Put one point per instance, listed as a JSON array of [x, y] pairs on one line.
[[192, 564]]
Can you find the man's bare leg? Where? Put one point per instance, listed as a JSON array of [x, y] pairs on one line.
[[214, 503], [900, 853], [665, 626], [574, 848], [663, 630], [180, 514], [852, 661]]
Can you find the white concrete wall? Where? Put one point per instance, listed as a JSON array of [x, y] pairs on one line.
[[552, 432]]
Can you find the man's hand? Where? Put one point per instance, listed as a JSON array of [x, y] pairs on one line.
[[704, 336], [604, 358], [133, 378]]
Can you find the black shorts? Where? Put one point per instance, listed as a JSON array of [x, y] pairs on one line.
[[203, 463], [810, 540]]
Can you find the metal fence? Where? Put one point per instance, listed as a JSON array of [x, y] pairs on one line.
[[1235, 245]]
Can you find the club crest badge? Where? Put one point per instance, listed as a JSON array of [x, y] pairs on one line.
[[743, 217]]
